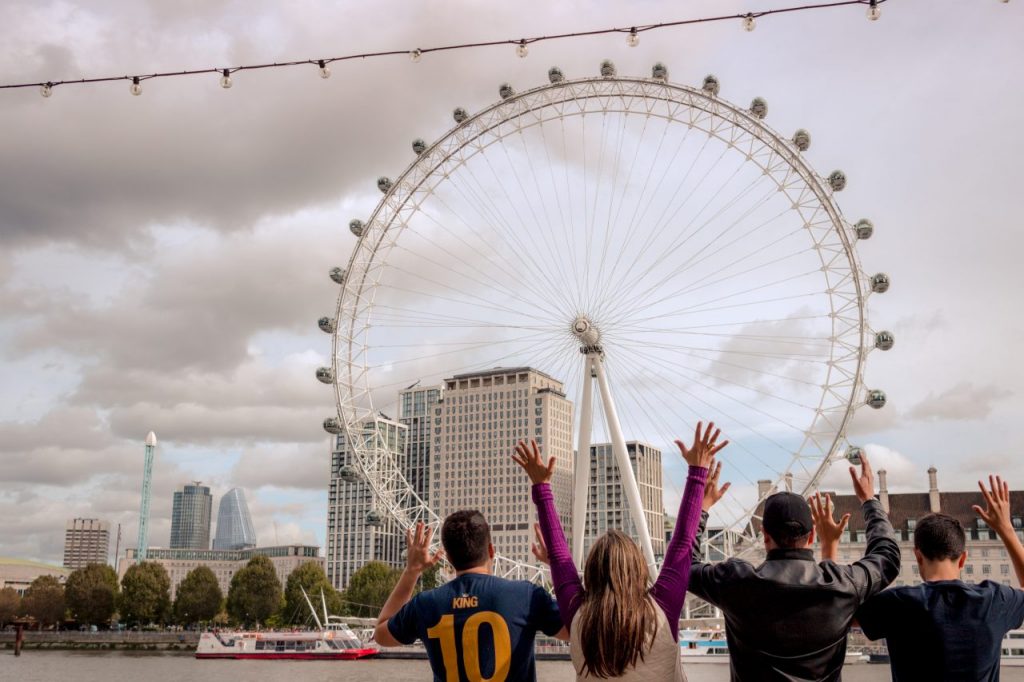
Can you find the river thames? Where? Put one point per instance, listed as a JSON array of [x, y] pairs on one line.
[[81, 666]]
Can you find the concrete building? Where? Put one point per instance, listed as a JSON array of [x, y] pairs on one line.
[[234, 524], [607, 506], [419, 409], [482, 416], [19, 573], [86, 541], [223, 563], [986, 557], [356, 531], [190, 517]]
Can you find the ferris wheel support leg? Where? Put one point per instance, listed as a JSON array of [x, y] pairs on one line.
[[581, 477], [636, 509]]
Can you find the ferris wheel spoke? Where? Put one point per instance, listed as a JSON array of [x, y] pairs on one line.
[[532, 338], [691, 310], [790, 357], [437, 319], [606, 229], [716, 325]]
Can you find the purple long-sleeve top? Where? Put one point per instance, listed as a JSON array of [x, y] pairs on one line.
[[668, 592]]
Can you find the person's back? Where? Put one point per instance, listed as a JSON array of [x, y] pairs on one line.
[[944, 628]]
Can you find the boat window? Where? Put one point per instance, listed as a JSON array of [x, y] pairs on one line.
[[259, 645], [279, 646]]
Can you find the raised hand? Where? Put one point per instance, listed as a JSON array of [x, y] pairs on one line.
[[829, 532], [528, 457], [997, 500], [712, 493], [703, 452], [864, 484], [539, 548], [417, 541]]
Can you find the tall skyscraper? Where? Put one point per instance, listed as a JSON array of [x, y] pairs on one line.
[[190, 517], [234, 525], [607, 506], [483, 415], [86, 541], [357, 532], [420, 408]]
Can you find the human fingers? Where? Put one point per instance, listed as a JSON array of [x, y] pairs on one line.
[[438, 555], [715, 473], [865, 465], [985, 493], [843, 521], [828, 506], [419, 534], [428, 535], [683, 450], [1006, 489], [551, 466], [707, 433], [719, 447], [724, 488], [536, 450], [696, 435]]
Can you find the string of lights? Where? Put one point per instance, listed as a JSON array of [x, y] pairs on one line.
[[748, 21]]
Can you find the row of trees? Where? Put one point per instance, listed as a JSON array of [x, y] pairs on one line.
[[92, 596]]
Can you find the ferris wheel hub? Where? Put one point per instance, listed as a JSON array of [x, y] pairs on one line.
[[587, 333]]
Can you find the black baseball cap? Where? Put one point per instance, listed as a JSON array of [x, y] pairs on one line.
[[787, 516]]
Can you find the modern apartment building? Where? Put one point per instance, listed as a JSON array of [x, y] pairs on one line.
[[86, 541], [482, 416], [419, 408], [190, 517], [234, 524], [607, 506]]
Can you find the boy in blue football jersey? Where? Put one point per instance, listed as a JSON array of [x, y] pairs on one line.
[[476, 626]]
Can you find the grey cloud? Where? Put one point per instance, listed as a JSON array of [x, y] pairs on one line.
[[197, 424], [296, 466], [962, 402], [70, 427]]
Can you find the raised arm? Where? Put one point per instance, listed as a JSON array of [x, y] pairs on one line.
[[880, 564], [997, 515], [418, 559], [825, 526], [669, 590], [568, 586]]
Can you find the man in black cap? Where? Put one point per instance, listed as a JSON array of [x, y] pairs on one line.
[[787, 619]]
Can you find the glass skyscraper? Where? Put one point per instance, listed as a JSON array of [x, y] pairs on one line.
[[234, 525], [190, 517]]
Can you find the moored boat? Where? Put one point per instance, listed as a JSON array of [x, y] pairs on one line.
[[334, 644]]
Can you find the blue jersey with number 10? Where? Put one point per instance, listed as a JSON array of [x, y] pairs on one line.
[[478, 628]]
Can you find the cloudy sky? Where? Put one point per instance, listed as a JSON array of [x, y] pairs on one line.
[[163, 257]]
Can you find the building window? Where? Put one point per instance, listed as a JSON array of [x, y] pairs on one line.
[[986, 569]]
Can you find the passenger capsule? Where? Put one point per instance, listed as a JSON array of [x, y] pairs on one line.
[[837, 180], [326, 325], [802, 140], [338, 275], [356, 227], [759, 107], [325, 375], [853, 454], [373, 518], [348, 474], [460, 115], [419, 146], [659, 72], [884, 340], [711, 85], [880, 283], [876, 399], [506, 91], [555, 75], [333, 425], [384, 184], [864, 229], [607, 69]]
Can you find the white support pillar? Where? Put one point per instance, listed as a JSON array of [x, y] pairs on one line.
[[636, 508], [581, 480]]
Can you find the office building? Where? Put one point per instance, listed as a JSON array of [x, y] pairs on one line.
[[483, 415], [190, 517], [234, 525], [419, 409], [86, 541]]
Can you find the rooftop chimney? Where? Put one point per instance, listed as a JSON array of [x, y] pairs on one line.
[[933, 490], [789, 482], [883, 490], [764, 488]]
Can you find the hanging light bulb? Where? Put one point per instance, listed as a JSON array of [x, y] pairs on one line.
[[136, 86], [225, 80], [415, 55], [748, 23], [521, 49], [633, 39], [873, 11], [325, 72], [46, 89]]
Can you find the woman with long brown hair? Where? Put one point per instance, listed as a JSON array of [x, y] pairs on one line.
[[621, 626]]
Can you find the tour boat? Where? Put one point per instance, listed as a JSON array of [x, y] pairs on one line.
[[703, 645], [1013, 649]]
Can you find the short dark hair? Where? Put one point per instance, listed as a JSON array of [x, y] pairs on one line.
[[789, 540], [939, 536], [466, 538]]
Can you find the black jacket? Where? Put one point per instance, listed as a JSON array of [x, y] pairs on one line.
[[788, 618]]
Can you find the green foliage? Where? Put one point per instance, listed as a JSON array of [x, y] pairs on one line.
[[91, 594], [198, 598], [44, 601], [145, 594], [369, 588], [255, 593], [10, 605], [430, 579], [311, 577]]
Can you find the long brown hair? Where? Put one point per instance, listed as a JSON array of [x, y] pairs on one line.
[[617, 620]]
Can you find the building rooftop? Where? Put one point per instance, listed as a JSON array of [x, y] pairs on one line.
[[500, 370]]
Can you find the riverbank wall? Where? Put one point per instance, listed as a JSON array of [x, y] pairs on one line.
[[114, 641]]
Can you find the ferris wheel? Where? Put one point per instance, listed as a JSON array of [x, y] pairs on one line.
[[661, 251]]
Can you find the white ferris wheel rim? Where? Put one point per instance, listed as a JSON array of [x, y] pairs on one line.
[[776, 155]]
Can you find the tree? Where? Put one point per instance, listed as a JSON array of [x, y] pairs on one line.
[[198, 598], [429, 579], [10, 605], [369, 587], [44, 600], [91, 593], [255, 592], [145, 594], [311, 577]]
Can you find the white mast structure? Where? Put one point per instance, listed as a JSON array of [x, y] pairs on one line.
[[147, 493]]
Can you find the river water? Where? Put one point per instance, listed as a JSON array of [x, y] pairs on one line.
[[92, 666]]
